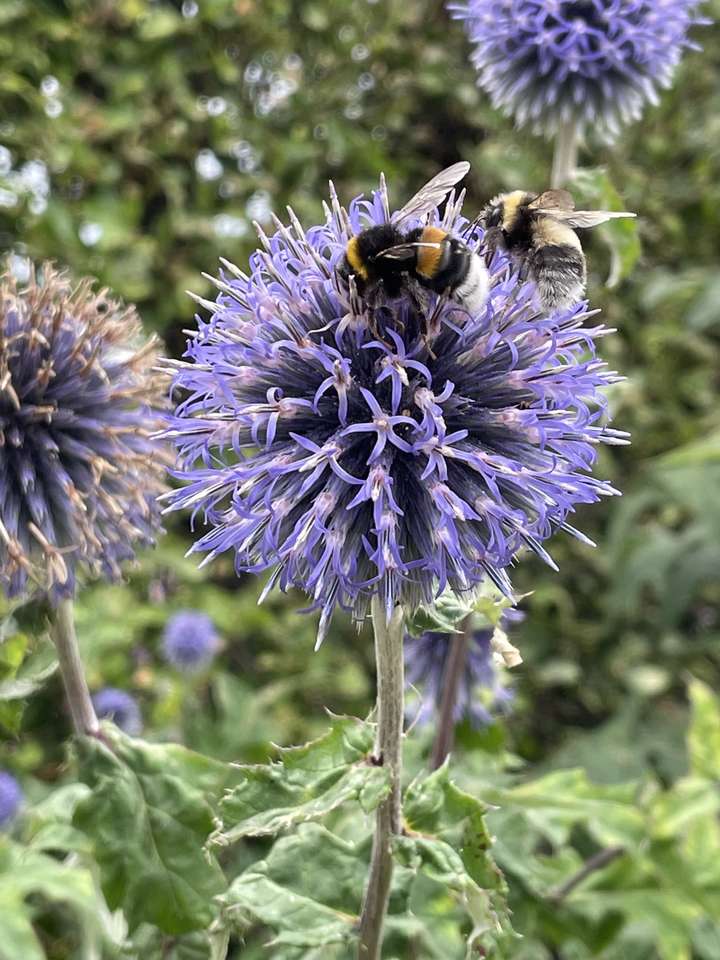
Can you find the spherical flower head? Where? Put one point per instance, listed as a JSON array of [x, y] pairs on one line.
[[593, 63], [11, 797], [395, 452], [190, 640], [120, 707], [481, 694], [79, 403]]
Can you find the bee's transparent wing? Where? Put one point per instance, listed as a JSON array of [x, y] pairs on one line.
[[560, 205], [405, 251], [551, 201], [433, 193], [582, 219]]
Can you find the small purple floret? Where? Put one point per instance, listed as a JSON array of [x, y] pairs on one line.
[[120, 707], [398, 454], [11, 798], [190, 640], [592, 62]]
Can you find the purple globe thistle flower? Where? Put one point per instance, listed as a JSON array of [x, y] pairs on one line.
[[190, 640], [480, 693], [79, 472], [594, 63], [11, 797], [118, 706], [397, 454]]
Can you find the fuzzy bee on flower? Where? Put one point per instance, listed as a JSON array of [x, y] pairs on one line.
[[386, 261], [538, 232]]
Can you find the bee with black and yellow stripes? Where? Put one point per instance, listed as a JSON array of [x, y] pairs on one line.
[[387, 261], [538, 233]]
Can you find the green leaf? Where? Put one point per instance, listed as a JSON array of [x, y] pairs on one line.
[[32, 673], [306, 784], [24, 874], [555, 803], [308, 890], [621, 236], [448, 841], [704, 732], [148, 827]]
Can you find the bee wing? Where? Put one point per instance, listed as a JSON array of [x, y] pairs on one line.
[[552, 200], [404, 251], [433, 193], [581, 219]]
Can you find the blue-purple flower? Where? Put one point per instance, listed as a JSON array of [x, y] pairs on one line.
[[120, 707], [11, 797], [190, 640], [301, 454], [79, 402], [481, 694], [594, 63]]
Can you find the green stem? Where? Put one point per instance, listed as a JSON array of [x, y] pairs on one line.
[[388, 751], [452, 675], [62, 630], [566, 154]]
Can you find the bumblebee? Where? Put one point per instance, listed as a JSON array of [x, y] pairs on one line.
[[387, 261], [538, 231]]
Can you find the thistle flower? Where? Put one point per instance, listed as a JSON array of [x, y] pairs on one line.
[[397, 454], [79, 402], [190, 640], [11, 797], [480, 693], [594, 63], [118, 706]]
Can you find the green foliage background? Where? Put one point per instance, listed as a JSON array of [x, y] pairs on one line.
[[143, 138]]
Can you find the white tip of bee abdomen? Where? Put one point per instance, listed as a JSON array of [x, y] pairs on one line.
[[473, 292]]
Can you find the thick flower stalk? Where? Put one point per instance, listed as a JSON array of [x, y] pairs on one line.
[[79, 403], [392, 455], [554, 64], [190, 640]]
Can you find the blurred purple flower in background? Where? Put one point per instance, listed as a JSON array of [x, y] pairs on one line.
[[480, 693], [79, 472], [118, 706], [190, 640], [11, 797], [302, 454], [595, 63]]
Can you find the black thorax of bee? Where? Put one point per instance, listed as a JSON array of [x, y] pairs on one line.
[[434, 258]]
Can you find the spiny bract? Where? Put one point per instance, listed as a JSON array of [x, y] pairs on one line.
[[396, 454], [79, 402]]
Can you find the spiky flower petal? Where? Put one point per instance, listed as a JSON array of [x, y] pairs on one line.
[[592, 62], [190, 640], [79, 402], [304, 456]]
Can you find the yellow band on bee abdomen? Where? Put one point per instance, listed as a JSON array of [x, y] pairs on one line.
[[352, 253], [429, 258]]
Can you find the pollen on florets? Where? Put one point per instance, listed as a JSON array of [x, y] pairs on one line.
[[595, 63], [79, 404], [396, 453]]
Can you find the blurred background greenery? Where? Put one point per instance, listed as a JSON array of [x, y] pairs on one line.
[[138, 142]]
